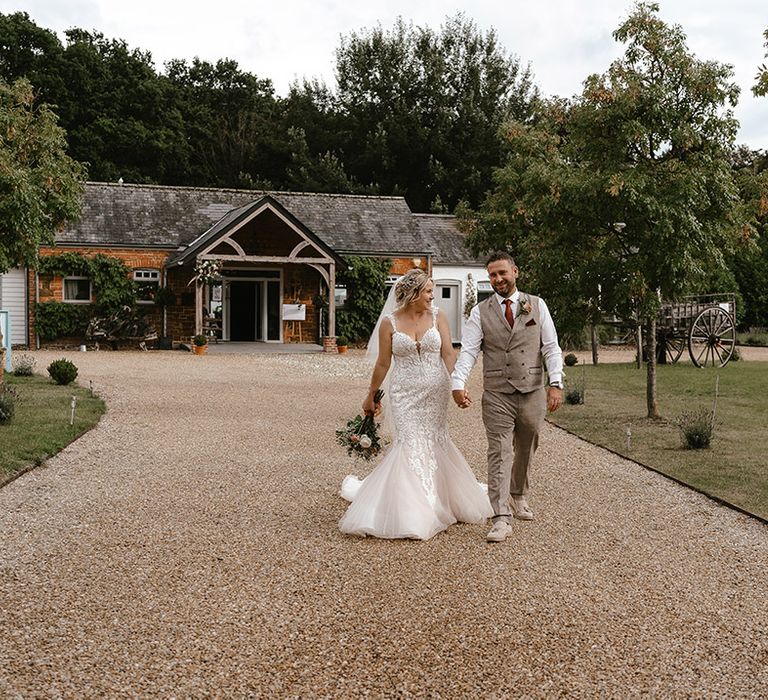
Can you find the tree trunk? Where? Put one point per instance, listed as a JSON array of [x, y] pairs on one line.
[[639, 343], [650, 393], [594, 345]]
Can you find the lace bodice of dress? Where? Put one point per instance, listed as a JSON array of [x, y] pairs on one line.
[[419, 388]]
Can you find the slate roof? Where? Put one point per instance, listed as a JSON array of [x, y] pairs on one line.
[[232, 218], [158, 216], [170, 217], [446, 242]]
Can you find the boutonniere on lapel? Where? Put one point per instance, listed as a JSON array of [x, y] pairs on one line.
[[524, 307]]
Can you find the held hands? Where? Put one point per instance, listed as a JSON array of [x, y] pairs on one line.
[[554, 398], [461, 397]]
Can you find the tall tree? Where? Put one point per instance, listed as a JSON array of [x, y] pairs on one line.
[[422, 108], [115, 110], [625, 196], [40, 185], [761, 86], [749, 262], [230, 119]]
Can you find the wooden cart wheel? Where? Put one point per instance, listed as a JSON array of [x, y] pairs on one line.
[[674, 344], [712, 338]]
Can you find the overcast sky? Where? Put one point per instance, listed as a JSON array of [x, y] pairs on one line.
[[563, 40]]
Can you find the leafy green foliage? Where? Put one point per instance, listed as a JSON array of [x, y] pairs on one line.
[[761, 86], [8, 399], [414, 112], [697, 428], [634, 174], [23, 366], [749, 261], [164, 296], [574, 396], [424, 108], [55, 319], [62, 371], [110, 277], [570, 359], [40, 427], [40, 185], [112, 285], [365, 280]]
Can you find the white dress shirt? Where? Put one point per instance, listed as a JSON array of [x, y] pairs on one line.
[[472, 339]]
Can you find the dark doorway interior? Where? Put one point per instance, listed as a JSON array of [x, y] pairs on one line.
[[242, 311]]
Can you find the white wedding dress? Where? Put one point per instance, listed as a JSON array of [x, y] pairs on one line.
[[423, 483]]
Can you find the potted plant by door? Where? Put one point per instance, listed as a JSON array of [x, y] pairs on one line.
[[200, 344], [341, 343]]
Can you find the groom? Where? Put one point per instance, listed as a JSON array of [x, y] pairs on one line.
[[515, 331]]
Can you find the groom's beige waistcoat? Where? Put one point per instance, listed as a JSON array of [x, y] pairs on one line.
[[511, 356]]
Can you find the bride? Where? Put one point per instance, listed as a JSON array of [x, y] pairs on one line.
[[423, 484]]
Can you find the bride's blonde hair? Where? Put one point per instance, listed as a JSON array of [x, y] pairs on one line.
[[409, 286]]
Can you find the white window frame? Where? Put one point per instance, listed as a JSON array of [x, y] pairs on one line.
[[76, 301], [341, 299], [146, 275], [483, 289]]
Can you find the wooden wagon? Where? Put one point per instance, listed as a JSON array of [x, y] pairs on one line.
[[704, 324]]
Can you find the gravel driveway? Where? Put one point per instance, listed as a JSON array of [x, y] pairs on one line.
[[188, 547]]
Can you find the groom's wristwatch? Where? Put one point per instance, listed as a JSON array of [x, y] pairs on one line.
[[557, 385]]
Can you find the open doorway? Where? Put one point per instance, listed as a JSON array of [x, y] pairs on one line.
[[252, 310]]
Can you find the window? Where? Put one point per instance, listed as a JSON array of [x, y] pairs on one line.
[[77, 290], [446, 292], [147, 282], [484, 290]]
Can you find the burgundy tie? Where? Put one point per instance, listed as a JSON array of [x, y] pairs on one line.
[[508, 313]]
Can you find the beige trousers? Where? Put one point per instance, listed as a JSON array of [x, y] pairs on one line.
[[512, 424]]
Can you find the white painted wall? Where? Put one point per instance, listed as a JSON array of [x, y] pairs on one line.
[[13, 298], [458, 274]]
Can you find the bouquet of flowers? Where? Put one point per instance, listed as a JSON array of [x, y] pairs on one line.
[[361, 434], [206, 272]]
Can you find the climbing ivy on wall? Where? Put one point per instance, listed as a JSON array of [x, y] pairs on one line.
[[54, 319], [112, 287], [365, 280], [110, 278]]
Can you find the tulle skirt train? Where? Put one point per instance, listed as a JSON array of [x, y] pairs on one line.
[[394, 501]]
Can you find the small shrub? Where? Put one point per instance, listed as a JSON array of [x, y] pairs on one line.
[[736, 356], [62, 371], [8, 399], [200, 340], [752, 340], [341, 341], [570, 359], [575, 396], [697, 429], [24, 366]]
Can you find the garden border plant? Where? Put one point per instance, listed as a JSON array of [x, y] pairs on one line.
[[40, 427]]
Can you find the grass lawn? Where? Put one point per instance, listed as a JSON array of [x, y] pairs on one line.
[[734, 468], [40, 426]]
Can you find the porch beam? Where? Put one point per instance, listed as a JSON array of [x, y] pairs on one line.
[[233, 244], [299, 247], [332, 299], [322, 272], [266, 259], [198, 309]]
